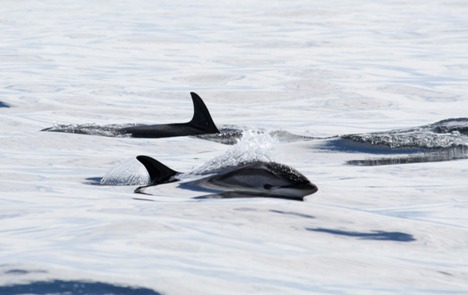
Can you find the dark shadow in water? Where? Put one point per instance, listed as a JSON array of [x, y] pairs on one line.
[[18, 271], [236, 195], [293, 213], [440, 155], [143, 199], [4, 105], [374, 235], [72, 287]]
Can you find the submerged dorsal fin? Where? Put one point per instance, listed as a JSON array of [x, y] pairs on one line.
[[159, 173], [201, 116]]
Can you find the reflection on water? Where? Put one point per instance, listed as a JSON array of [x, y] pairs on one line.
[[4, 105], [244, 194], [293, 214], [450, 154], [72, 287], [374, 235]]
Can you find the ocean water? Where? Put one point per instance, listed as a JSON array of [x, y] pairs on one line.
[[312, 68]]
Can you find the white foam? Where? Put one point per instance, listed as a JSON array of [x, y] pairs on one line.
[[252, 146]]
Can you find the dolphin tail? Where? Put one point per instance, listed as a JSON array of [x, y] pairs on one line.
[[201, 116], [159, 173]]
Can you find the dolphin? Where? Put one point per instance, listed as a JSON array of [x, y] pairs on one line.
[[201, 123], [253, 179]]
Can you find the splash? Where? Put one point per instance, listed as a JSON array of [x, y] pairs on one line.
[[129, 172], [230, 135], [254, 145]]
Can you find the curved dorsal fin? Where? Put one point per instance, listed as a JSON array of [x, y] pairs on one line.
[[201, 116], [159, 173]]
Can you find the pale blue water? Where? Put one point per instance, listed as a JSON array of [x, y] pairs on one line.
[[310, 68]]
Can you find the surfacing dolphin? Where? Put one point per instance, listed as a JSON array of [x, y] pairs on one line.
[[446, 140], [248, 180], [201, 123]]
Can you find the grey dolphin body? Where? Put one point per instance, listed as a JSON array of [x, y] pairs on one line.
[[254, 179], [201, 123]]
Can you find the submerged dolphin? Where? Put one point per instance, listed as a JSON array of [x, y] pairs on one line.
[[254, 179], [201, 123]]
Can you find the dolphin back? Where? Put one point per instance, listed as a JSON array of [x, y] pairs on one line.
[[201, 123]]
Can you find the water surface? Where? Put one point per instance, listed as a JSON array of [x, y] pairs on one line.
[[311, 69]]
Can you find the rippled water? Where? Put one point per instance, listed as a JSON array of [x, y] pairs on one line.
[[315, 70]]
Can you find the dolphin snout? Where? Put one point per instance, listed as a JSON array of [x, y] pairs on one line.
[[299, 189], [308, 188]]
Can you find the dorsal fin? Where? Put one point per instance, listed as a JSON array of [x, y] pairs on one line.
[[159, 173], [201, 116]]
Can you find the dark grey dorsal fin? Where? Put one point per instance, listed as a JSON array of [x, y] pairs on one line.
[[201, 116], [159, 173]]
